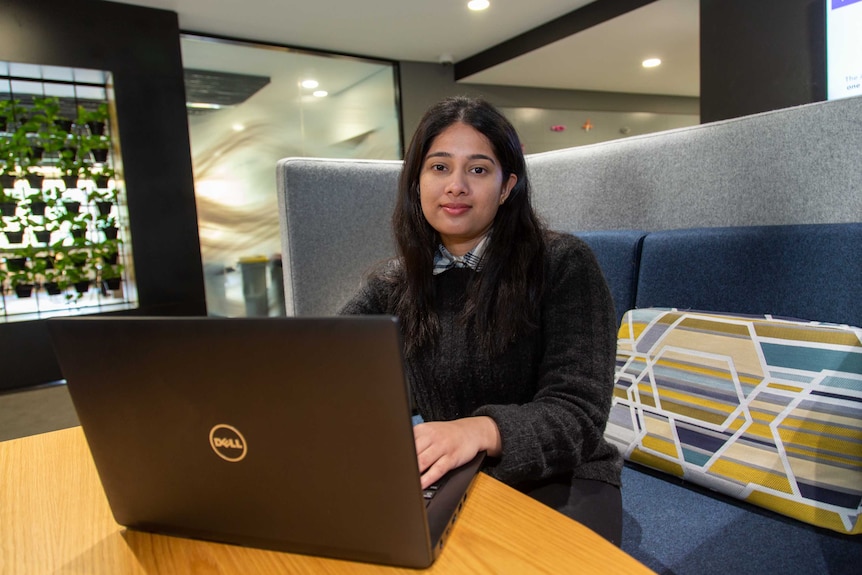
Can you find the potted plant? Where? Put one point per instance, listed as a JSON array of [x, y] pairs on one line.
[[45, 115], [108, 226], [16, 260], [42, 235], [53, 281], [96, 120], [14, 147], [69, 167], [34, 178], [71, 206], [107, 256], [38, 201], [75, 269], [8, 204], [95, 141], [8, 170], [112, 277], [101, 178], [22, 281], [7, 179], [5, 123], [42, 265], [11, 114], [14, 229], [104, 206]]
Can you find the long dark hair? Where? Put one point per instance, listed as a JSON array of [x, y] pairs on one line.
[[503, 299]]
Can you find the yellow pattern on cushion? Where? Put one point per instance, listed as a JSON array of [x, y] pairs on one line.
[[764, 409], [651, 460], [807, 332], [744, 474], [807, 513]]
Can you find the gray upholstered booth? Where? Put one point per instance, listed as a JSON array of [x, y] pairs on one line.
[[766, 180], [793, 166]]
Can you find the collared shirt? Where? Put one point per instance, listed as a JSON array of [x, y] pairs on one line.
[[444, 260]]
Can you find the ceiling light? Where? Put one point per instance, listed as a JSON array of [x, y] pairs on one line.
[[651, 62], [310, 84], [477, 5], [238, 127], [320, 94], [203, 106]]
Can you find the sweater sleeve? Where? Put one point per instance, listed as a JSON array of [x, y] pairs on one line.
[[560, 431], [373, 296]]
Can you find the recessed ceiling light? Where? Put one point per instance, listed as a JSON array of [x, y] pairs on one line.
[[238, 127], [310, 84], [203, 106], [477, 5], [651, 62], [320, 94]]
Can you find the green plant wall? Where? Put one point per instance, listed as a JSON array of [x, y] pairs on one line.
[[59, 202]]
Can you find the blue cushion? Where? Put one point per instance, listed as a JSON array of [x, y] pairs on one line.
[[618, 253], [811, 271]]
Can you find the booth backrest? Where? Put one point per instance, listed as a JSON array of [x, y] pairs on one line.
[[794, 166], [334, 217], [791, 166], [809, 272], [618, 253]]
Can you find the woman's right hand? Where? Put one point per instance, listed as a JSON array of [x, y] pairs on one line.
[[444, 445]]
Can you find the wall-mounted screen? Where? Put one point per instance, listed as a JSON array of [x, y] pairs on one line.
[[844, 48]]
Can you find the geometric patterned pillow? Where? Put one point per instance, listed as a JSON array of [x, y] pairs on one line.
[[763, 409]]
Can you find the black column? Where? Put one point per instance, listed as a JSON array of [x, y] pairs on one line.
[[141, 49], [760, 55]]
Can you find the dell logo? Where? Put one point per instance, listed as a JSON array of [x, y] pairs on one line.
[[228, 442]]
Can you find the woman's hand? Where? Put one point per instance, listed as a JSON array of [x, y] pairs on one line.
[[444, 445]]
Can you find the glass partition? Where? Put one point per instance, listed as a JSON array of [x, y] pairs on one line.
[[249, 106]]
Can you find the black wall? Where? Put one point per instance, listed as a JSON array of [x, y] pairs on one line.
[[141, 48], [760, 55]]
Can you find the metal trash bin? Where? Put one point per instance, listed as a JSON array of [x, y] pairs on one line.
[[254, 285], [276, 280]]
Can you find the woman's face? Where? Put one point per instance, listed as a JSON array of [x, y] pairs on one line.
[[461, 186]]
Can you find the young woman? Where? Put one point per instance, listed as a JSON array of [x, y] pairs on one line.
[[509, 329]]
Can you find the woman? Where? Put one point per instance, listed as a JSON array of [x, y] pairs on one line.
[[509, 329]]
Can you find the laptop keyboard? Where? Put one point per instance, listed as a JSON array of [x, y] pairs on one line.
[[429, 492]]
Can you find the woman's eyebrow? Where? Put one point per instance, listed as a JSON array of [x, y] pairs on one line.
[[470, 157]]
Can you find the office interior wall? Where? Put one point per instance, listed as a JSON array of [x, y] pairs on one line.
[[140, 47], [544, 130], [424, 84]]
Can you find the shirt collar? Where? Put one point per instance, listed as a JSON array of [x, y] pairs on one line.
[[444, 260]]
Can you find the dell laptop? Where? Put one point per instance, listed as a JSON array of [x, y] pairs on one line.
[[291, 434]]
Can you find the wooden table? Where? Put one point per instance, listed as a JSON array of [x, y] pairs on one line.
[[54, 518]]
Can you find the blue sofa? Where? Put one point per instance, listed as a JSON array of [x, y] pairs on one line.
[[756, 216], [811, 271]]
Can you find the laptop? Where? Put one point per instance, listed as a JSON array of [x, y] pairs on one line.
[[291, 434]]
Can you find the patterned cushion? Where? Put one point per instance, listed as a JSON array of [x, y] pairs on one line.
[[763, 409]]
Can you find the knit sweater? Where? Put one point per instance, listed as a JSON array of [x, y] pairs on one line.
[[549, 393]]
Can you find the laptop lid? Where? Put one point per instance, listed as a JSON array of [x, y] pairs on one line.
[[283, 433]]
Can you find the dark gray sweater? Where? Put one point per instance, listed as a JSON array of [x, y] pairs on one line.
[[549, 393]]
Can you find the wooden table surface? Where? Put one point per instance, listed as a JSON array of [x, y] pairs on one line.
[[54, 518]]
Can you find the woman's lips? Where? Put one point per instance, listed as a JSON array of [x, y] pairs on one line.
[[455, 209]]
